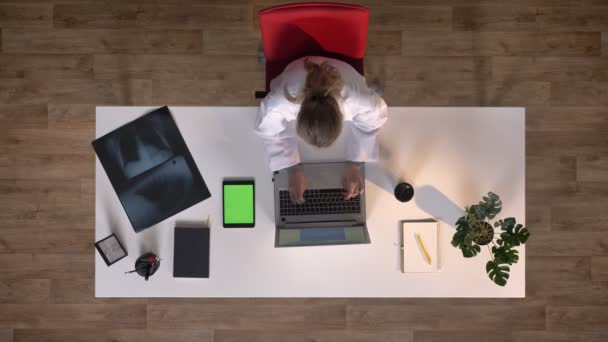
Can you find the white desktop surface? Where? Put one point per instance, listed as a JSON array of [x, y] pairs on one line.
[[452, 156]]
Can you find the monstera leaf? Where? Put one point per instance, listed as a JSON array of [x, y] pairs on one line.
[[499, 274], [488, 208], [463, 240], [471, 250], [505, 255], [513, 234]]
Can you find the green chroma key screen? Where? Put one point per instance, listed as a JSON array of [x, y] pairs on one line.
[[239, 209]]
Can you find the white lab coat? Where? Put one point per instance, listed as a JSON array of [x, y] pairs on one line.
[[361, 105]]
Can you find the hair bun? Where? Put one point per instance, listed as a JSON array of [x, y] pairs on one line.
[[319, 97]]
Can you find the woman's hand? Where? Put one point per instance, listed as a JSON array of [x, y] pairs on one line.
[[297, 184], [351, 180]]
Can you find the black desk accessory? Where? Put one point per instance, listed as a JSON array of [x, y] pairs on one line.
[[110, 249], [404, 192], [146, 265], [191, 252], [151, 169]]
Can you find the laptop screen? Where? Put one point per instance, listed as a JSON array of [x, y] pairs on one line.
[[321, 236]]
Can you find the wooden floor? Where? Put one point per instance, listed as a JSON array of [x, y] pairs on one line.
[[61, 58]]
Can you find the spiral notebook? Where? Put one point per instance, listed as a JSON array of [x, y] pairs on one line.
[[413, 257]]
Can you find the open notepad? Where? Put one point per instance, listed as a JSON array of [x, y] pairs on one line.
[[413, 259]]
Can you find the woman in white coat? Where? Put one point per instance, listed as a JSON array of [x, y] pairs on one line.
[[319, 94]]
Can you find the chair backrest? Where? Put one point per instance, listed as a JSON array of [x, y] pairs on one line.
[[313, 29]]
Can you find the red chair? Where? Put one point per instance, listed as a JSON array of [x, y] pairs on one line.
[[323, 29]]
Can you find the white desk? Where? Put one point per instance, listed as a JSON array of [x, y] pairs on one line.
[[452, 156]]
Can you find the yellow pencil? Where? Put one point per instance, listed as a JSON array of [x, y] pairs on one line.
[[426, 254]]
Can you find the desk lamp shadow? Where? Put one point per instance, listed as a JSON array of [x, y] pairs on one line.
[[391, 170], [437, 205]]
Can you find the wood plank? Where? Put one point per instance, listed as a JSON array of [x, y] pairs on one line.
[[82, 291], [579, 93], [182, 67], [46, 266], [604, 43], [54, 166], [495, 18], [568, 243], [599, 268], [358, 335], [60, 202], [579, 217], [444, 317], [592, 168], [150, 16], [62, 116], [58, 316], [538, 218], [559, 336], [437, 43], [410, 18], [383, 43], [46, 239], [537, 43], [253, 316], [466, 93], [75, 91], [577, 318], [469, 43], [41, 192], [239, 335], [573, 18], [231, 42], [23, 116], [461, 335], [43, 141], [488, 2], [205, 92], [566, 119], [86, 334], [6, 335], [558, 69], [557, 269], [393, 317], [7, 166], [46, 66], [25, 15], [569, 292], [393, 68], [550, 175], [23, 291], [61, 41], [566, 143]]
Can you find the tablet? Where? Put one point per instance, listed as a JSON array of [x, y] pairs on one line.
[[238, 203]]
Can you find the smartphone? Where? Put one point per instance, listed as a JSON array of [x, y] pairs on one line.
[[238, 198]]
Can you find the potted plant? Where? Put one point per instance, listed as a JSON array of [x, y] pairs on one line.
[[474, 230]]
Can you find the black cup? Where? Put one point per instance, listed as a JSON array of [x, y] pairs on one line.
[[404, 192]]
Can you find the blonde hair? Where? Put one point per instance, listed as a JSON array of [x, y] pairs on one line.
[[319, 120]]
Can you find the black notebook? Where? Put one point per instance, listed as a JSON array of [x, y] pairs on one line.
[[191, 253]]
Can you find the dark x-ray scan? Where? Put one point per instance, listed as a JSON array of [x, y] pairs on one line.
[[151, 169]]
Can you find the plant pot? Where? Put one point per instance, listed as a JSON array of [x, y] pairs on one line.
[[483, 233]]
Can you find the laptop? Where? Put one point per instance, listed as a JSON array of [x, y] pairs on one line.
[[325, 218]]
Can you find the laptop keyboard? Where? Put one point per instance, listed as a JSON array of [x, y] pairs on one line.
[[320, 202]]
